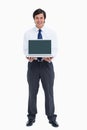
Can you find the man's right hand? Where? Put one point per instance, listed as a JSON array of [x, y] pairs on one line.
[[31, 58]]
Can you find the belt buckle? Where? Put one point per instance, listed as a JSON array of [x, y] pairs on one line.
[[40, 60]]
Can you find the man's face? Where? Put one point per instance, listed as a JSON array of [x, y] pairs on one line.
[[39, 20]]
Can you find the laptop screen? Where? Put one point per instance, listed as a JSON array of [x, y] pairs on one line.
[[39, 47]]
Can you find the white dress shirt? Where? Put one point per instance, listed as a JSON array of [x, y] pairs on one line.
[[47, 34]]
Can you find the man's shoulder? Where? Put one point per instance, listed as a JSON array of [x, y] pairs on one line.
[[29, 31], [51, 30]]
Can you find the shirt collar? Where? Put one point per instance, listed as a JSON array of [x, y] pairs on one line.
[[36, 29]]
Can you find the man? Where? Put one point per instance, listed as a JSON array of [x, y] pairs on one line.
[[40, 69]]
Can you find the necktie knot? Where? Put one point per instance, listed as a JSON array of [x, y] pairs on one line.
[[39, 30]]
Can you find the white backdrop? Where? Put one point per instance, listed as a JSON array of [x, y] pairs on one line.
[[69, 20]]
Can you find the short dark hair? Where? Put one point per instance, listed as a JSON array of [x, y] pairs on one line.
[[39, 11]]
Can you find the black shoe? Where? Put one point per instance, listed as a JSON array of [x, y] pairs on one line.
[[54, 123], [30, 122]]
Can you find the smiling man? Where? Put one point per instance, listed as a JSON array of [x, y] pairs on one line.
[[40, 68]]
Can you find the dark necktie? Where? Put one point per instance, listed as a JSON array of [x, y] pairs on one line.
[[39, 37], [39, 34]]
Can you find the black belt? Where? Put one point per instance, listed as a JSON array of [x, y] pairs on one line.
[[39, 59]]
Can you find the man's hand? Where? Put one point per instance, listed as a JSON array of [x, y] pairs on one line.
[[48, 59], [31, 58]]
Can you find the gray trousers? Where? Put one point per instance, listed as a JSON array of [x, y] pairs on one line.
[[40, 71]]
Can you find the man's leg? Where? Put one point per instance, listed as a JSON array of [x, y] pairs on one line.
[[47, 78], [33, 81]]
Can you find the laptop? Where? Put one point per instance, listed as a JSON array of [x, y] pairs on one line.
[[39, 48]]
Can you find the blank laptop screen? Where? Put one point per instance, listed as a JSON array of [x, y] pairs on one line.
[[39, 47]]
